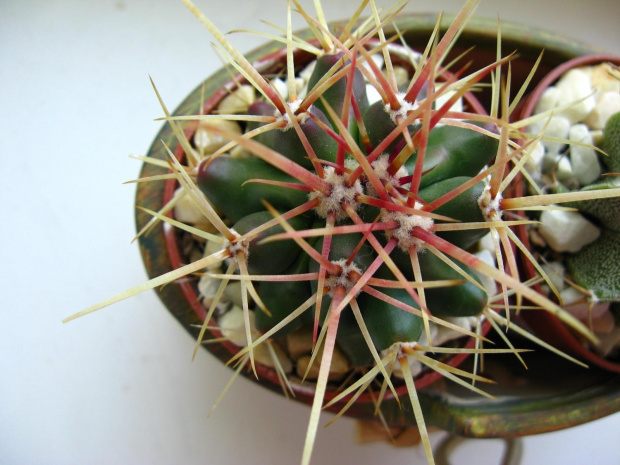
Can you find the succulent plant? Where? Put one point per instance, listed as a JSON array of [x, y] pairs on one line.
[[358, 220]]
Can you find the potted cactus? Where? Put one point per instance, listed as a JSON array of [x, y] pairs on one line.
[[345, 194], [576, 109]]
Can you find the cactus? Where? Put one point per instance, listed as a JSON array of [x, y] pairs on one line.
[[594, 267], [366, 215]]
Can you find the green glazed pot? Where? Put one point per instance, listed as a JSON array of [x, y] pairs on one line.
[[532, 405]]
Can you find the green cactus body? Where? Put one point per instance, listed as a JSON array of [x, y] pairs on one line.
[[595, 267], [457, 152], [463, 208], [611, 143], [282, 297], [464, 299]]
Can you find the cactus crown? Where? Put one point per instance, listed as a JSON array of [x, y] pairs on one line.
[[358, 219]]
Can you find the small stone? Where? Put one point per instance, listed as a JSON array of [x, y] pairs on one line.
[[232, 326], [603, 80], [239, 152], [207, 287], [583, 309], [576, 92], [238, 101], [377, 59], [489, 283], [608, 342], [584, 161], [207, 141], [607, 105], [299, 342], [233, 292], [566, 231], [597, 136], [548, 100], [571, 296], [565, 173], [555, 272], [185, 210], [533, 165], [487, 243], [372, 94], [443, 98], [402, 77], [446, 334], [337, 370], [557, 128], [280, 86], [307, 71]]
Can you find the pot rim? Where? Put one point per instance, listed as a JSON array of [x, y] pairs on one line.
[[426, 378]]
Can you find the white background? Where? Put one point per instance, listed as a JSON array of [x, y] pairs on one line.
[[118, 386]]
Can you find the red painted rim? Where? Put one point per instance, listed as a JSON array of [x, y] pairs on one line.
[[545, 324]]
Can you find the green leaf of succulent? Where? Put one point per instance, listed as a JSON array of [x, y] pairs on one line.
[[463, 207], [271, 257], [223, 179], [611, 143], [596, 267], [462, 300], [606, 211], [456, 152], [334, 96], [387, 324]]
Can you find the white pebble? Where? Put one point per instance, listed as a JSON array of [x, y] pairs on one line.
[[377, 59], [207, 286], [570, 296], [565, 173], [607, 105], [402, 76], [447, 334], [548, 100], [232, 325], [555, 272], [233, 292], [443, 98], [487, 243], [238, 101], [602, 79], [584, 161], [280, 86], [576, 91], [307, 71], [566, 231], [487, 282]]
